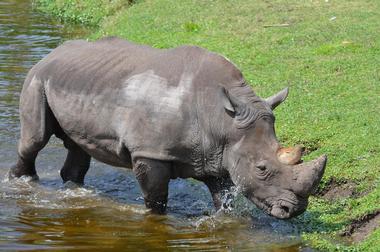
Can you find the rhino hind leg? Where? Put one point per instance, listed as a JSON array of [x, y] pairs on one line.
[[76, 164], [153, 177], [37, 125]]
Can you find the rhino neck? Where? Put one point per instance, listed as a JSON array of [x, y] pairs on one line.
[[212, 149], [212, 162], [234, 132], [230, 163], [213, 126]]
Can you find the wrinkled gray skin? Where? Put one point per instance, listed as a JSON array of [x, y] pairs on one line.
[[182, 112]]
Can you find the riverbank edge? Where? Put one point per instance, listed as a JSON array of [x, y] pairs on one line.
[[88, 13], [316, 239]]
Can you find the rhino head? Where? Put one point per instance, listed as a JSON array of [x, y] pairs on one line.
[[267, 174]]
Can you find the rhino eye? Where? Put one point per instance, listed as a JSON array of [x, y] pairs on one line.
[[262, 170], [268, 118]]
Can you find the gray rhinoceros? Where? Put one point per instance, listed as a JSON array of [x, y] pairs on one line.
[[175, 113]]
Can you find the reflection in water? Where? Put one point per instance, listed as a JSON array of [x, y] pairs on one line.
[[108, 213]]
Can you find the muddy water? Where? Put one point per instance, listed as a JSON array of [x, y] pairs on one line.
[[108, 213]]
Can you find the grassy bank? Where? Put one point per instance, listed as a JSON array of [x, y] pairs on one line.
[[328, 52], [90, 13]]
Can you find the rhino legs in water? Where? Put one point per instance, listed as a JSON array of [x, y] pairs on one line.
[[76, 164], [36, 131], [153, 177]]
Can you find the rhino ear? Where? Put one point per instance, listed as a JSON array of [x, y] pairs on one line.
[[230, 102], [278, 98]]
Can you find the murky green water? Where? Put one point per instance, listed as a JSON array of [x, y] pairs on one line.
[[108, 213]]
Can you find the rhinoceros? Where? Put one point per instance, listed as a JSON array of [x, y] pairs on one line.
[[165, 113]]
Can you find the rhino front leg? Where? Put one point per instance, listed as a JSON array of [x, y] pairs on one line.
[[76, 164], [153, 177], [219, 189]]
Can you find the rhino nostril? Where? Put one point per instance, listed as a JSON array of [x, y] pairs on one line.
[[285, 208]]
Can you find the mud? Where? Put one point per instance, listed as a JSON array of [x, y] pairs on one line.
[[338, 189], [362, 227]]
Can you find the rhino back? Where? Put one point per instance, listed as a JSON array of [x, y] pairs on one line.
[[117, 99], [114, 98]]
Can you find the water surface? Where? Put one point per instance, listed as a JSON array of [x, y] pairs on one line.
[[108, 213]]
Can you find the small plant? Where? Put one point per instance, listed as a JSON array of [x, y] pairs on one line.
[[191, 27]]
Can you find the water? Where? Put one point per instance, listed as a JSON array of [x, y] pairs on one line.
[[108, 213]]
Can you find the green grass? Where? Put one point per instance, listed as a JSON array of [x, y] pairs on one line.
[[329, 55], [90, 13]]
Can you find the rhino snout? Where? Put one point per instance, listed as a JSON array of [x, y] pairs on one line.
[[284, 206], [288, 202]]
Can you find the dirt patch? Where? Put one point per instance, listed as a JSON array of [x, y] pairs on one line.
[[361, 228], [338, 189]]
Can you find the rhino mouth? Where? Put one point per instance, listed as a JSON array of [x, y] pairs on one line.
[[281, 208]]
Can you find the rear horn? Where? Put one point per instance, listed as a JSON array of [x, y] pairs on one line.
[[278, 98]]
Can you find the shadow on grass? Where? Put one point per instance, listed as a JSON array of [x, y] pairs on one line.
[[317, 221]]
